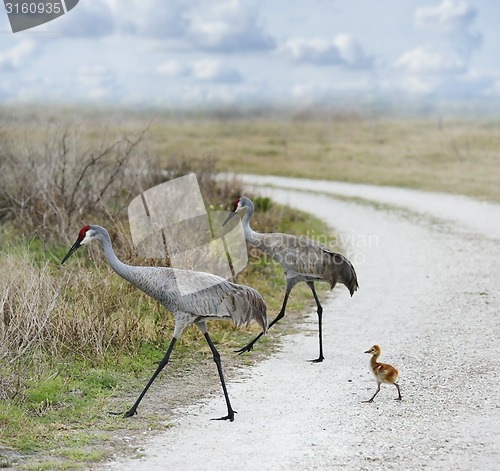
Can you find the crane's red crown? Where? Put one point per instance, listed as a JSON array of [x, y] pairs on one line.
[[83, 231], [235, 206]]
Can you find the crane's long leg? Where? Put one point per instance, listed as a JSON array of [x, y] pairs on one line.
[[376, 392], [291, 281], [230, 411], [133, 410], [281, 314], [320, 323]]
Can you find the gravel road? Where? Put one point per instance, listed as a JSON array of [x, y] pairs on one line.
[[428, 268]]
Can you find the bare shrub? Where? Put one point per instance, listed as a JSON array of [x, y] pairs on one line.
[[49, 183], [54, 181]]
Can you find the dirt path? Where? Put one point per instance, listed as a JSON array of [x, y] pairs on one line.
[[428, 266]]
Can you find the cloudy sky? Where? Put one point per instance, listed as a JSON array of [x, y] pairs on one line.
[[225, 52]]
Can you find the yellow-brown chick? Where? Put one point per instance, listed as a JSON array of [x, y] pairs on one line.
[[383, 372]]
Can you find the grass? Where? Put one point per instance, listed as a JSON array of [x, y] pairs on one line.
[[437, 153], [456, 156]]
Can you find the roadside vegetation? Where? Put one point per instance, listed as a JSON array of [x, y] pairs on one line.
[[77, 341]]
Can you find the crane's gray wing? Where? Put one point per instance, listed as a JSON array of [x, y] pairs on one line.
[[299, 254], [211, 296]]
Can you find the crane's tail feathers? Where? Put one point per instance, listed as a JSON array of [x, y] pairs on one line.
[[351, 279], [246, 306], [259, 312], [346, 274], [261, 319]]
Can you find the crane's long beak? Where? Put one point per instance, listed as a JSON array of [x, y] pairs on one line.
[[74, 248], [231, 216]]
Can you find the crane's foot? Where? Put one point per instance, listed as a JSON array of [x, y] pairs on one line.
[[398, 399], [317, 360], [129, 413], [246, 348], [368, 401], [229, 416]]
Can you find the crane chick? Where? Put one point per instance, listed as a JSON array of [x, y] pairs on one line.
[[383, 372]]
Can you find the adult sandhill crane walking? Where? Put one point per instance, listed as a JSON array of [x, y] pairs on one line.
[[383, 372], [211, 297], [302, 260]]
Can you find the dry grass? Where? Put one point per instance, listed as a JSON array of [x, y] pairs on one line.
[[27, 305], [48, 186], [440, 155]]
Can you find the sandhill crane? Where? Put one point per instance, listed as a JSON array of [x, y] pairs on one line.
[[383, 372], [302, 260], [212, 297]]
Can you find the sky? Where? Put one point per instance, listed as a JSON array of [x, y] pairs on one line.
[[202, 53]]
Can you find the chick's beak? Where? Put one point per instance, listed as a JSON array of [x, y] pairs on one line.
[[74, 248]]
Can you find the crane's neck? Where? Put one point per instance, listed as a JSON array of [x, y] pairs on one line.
[[250, 235], [117, 265]]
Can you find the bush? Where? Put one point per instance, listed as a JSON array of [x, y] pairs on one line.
[[46, 186]]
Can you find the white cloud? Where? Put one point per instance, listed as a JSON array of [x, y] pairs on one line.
[[342, 50], [449, 16], [227, 27], [425, 61], [459, 87], [173, 68], [90, 19], [206, 70], [467, 86], [97, 81], [217, 26], [440, 67], [151, 18], [313, 51], [13, 59], [351, 52], [414, 85], [454, 20], [215, 71]]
